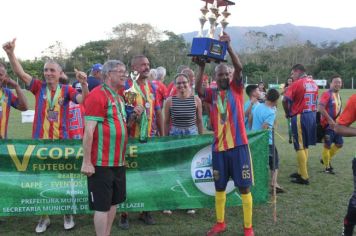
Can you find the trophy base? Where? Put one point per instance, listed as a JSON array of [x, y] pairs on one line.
[[209, 49]]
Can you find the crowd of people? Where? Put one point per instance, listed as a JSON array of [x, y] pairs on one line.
[[186, 106]]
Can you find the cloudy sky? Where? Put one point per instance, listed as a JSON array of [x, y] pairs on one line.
[[39, 23]]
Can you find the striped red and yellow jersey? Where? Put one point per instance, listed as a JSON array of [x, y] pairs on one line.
[[154, 99], [51, 124], [229, 132], [7, 100]]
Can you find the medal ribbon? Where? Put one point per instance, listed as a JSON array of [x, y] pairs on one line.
[[222, 106], [51, 102], [118, 103], [144, 119]]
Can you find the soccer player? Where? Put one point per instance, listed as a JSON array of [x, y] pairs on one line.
[[264, 117], [230, 151], [347, 117], [104, 145], [51, 109], [330, 108], [8, 100], [253, 93], [151, 118], [300, 104]]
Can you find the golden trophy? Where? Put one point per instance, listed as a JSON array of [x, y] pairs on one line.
[[209, 48]]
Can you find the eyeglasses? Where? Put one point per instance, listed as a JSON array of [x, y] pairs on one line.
[[120, 72], [183, 82]]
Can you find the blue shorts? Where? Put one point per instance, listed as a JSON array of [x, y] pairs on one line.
[[235, 163], [174, 131], [331, 137], [304, 130]]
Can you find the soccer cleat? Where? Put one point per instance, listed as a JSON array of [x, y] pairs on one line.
[[249, 231], [68, 222], [300, 180], [43, 224], [329, 171], [167, 212], [147, 218], [124, 222], [217, 229], [294, 175], [191, 211]]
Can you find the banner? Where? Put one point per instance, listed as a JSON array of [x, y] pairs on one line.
[[43, 176]]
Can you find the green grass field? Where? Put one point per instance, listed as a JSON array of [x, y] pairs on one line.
[[317, 209]]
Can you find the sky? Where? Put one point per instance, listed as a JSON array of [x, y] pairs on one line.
[[37, 24]]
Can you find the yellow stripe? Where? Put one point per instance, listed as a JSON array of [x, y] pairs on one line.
[[300, 135], [229, 138], [3, 118], [45, 124], [220, 134], [57, 108], [337, 102], [252, 173]]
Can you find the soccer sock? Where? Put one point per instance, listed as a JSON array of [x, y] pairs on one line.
[[220, 200], [333, 150], [326, 157], [247, 209], [302, 162]]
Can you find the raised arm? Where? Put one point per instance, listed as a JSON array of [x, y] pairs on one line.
[[234, 58], [9, 48], [22, 104], [199, 78], [82, 79]]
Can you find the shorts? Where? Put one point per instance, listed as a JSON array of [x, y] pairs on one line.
[[175, 131], [275, 165], [304, 130], [331, 137], [235, 163], [106, 188]]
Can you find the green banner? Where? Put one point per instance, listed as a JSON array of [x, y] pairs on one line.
[[43, 177]]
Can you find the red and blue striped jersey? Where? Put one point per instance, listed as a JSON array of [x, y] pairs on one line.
[[76, 120], [332, 103], [7, 100], [110, 135], [348, 116], [229, 131], [302, 96], [154, 99], [51, 124]]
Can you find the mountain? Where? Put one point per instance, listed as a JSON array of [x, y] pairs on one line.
[[292, 34]]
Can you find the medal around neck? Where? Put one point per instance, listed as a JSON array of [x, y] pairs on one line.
[[207, 47]]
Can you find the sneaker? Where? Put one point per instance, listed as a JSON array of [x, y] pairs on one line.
[[295, 175], [124, 222], [191, 211], [300, 180], [167, 212], [217, 228], [249, 231], [279, 189], [68, 222], [147, 218], [329, 171], [43, 224], [290, 140]]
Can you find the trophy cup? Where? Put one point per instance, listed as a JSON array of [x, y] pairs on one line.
[[130, 95], [209, 48]]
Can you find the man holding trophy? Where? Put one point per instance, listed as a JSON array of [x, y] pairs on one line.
[[230, 151], [142, 98]]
